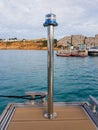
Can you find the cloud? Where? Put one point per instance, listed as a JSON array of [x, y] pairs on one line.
[[24, 19]]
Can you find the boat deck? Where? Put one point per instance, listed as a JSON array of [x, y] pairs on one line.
[[68, 118]]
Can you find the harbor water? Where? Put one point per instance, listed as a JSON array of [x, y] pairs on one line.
[[75, 78]]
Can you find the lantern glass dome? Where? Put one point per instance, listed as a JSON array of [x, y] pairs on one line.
[[50, 19], [51, 16]]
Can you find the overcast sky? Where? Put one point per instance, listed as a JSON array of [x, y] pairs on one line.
[[25, 18]]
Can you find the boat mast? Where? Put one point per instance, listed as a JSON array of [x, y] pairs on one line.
[[50, 22]]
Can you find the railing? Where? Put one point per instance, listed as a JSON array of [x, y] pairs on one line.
[[6, 116], [92, 109], [94, 104]]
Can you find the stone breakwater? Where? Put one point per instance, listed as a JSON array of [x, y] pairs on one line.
[[75, 40]]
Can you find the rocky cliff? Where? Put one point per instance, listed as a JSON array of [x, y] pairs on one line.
[[75, 40]]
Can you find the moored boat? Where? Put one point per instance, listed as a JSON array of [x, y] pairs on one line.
[[75, 53], [81, 52], [79, 55], [63, 54], [93, 51]]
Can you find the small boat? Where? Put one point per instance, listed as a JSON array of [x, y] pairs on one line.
[[82, 52], [79, 54], [82, 55], [72, 54], [75, 53], [93, 51], [63, 54]]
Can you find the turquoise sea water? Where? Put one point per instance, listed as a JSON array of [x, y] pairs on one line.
[[75, 78]]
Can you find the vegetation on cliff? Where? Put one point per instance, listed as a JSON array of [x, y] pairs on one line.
[[14, 43]]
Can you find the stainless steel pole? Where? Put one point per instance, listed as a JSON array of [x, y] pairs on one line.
[[50, 69], [50, 23], [50, 114]]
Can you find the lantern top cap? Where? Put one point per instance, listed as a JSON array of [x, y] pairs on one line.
[[50, 19], [51, 14]]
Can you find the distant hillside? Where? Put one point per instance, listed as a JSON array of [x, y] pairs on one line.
[[37, 44]]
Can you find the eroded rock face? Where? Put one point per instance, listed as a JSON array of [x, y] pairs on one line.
[[90, 41], [96, 40], [64, 41], [76, 40]]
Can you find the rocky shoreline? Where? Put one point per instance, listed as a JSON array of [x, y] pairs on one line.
[[41, 44]]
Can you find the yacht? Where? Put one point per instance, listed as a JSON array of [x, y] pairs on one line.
[[93, 51]]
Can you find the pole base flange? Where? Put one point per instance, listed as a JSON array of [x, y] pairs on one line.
[[50, 116]]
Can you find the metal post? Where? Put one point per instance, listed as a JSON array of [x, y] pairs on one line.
[[50, 70], [50, 23]]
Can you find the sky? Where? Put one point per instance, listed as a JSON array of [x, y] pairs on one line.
[[24, 18]]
